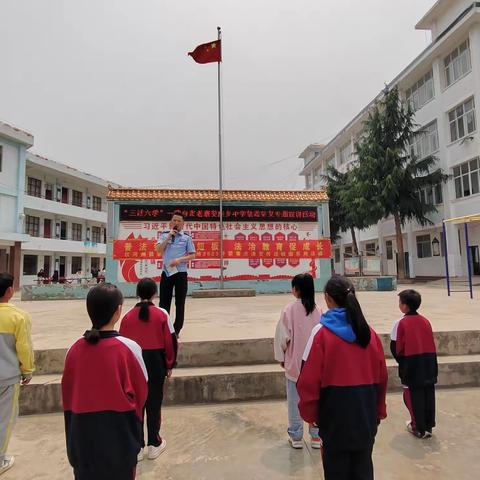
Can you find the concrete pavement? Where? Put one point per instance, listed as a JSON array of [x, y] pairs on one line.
[[247, 441]]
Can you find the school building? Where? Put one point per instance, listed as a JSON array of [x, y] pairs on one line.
[[443, 87], [52, 216]]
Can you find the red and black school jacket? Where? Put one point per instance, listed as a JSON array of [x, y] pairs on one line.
[[104, 389], [156, 337], [413, 346], [342, 386]]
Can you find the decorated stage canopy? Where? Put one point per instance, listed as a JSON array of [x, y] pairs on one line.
[[268, 235]]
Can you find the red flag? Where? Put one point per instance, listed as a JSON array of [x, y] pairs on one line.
[[208, 52]]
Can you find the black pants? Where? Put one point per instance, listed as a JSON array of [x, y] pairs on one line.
[[354, 465], [153, 409], [124, 474], [179, 281], [420, 402]]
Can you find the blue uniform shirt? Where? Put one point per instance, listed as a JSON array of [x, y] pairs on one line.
[[182, 245]]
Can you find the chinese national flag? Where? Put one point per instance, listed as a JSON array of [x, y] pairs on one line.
[[208, 52]]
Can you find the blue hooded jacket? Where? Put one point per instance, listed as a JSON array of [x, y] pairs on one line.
[[337, 322]]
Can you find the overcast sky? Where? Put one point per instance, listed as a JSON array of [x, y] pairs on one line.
[[106, 85]]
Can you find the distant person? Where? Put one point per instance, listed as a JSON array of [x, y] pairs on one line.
[[104, 388], [343, 383], [16, 363], [151, 328], [413, 346], [292, 333], [177, 249]]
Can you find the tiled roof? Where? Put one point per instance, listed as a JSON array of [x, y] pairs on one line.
[[213, 195]]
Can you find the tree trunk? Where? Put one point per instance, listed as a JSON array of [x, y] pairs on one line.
[[354, 241], [400, 250]]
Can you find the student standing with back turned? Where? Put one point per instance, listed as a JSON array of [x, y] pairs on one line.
[[343, 384]]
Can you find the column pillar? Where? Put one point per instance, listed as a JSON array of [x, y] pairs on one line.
[[15, 258]]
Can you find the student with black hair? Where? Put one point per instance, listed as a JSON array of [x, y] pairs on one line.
[[413, 346], [292, 333], [343, 383], [104, 388], [16, 364], [151, 328]]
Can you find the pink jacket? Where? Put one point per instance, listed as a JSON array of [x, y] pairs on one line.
[[291, 336]]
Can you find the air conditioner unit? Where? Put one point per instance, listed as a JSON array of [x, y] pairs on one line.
[[89, 201], [88, 234], [57, 229]]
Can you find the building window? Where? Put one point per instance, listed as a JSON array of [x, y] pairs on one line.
[[425, 141], [431, 195], [348, 252], [421, 92], [370, 249], [389, 248], [97, 203], [345, 153], [462, 120], [32, 226], [337, 255], [467, 178], [77, 198], [1, 156], [34, 187], [96, 235], [330, 162], [77, 232], [30, 264], [424, 247], [76, 265], [457, 63]]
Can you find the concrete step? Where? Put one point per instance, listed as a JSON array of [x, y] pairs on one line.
[[258, 351], [237, 383]]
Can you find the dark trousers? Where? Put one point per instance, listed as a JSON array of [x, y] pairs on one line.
[[420, 402], [153, 409], [349, 465], [125, 474], [179, 281]]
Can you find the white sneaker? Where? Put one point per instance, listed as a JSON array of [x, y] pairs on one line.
[[295, 443], [140, 455], [7, 463], [317, 443], [154, 452]]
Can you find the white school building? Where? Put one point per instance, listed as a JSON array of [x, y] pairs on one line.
[[52, 216], [443, 86]]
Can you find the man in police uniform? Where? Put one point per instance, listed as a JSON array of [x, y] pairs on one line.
[[177, 249]]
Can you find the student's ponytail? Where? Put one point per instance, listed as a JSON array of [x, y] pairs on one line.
[[342, 292], [92, 336], [303, 283], [146, 290]]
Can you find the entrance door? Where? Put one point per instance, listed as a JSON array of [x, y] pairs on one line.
[[47, 228], [62, 266], [475, 260], [64, 195], [63, 230], [46, 266]]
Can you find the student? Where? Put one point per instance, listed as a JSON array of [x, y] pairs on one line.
[[413, 346], [16, 363], [151, 328], [291, 336], [343, 383], [104, 388]]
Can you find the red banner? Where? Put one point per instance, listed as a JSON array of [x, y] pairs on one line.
[[241, 249]]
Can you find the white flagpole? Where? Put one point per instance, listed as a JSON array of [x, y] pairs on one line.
[[220, 167]]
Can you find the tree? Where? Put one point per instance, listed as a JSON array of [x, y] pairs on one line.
[[343, 212], [388, 177]]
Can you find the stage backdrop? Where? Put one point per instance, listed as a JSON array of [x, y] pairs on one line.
[[266, 241]]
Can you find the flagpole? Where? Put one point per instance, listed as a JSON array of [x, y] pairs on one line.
[[220, 166]]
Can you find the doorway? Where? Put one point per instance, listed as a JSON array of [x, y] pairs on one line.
[[46, 266], [62, 266], [475, 260]]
